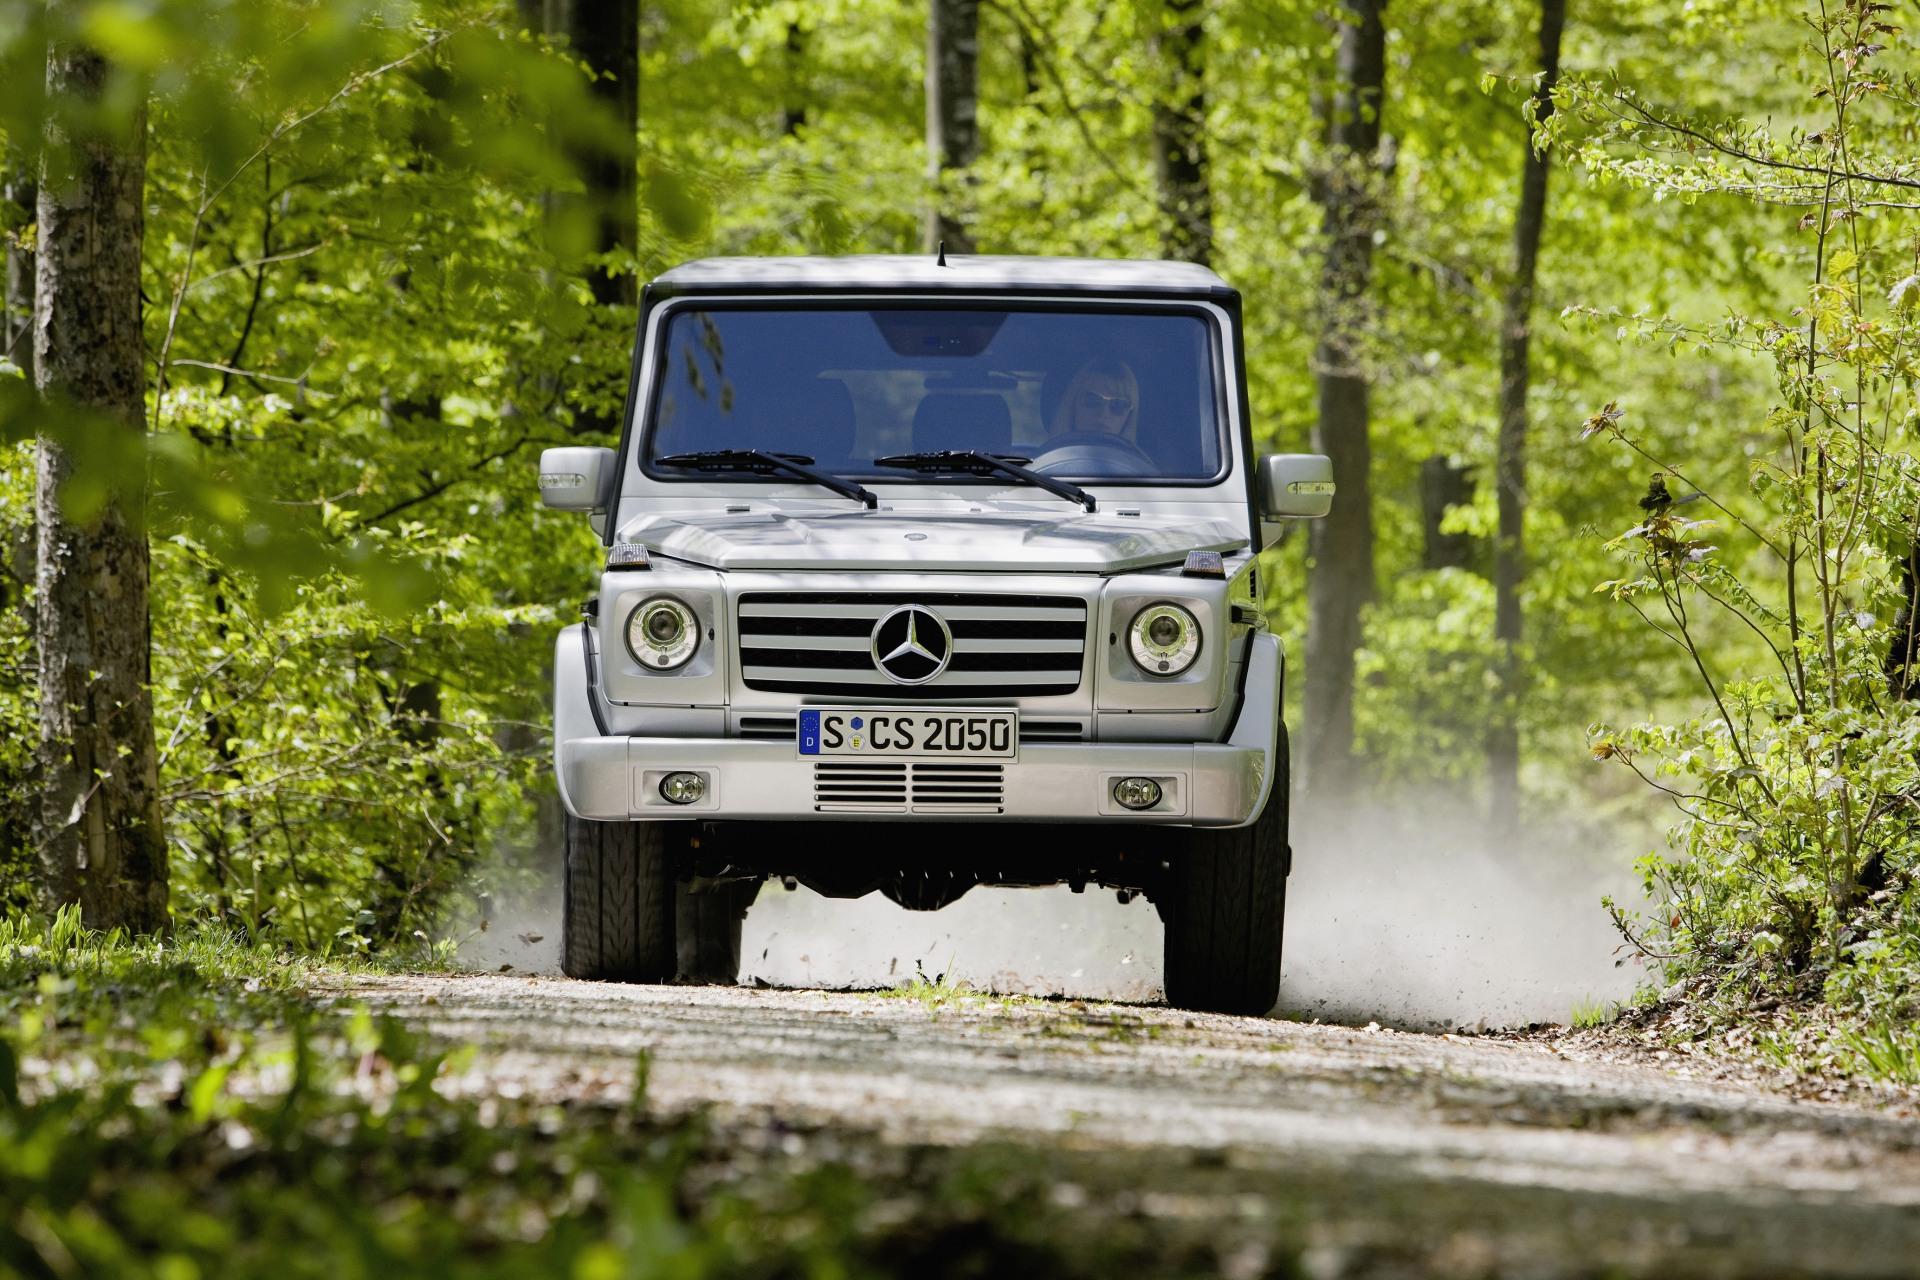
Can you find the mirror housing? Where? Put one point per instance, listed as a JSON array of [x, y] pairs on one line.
[[576, 478], [1294, 486]]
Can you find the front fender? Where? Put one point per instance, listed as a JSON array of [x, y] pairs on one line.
[[1258, 724], [576, 711]]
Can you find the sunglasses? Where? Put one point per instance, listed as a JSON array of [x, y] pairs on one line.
[[1112, 406]]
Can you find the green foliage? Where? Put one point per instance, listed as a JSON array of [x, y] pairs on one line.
[[364, 320], [1794, 875], [1592, 1013], [175, 1109]]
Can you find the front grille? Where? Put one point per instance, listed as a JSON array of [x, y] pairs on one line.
[[783, 728], [847, 786], [1004, 646]]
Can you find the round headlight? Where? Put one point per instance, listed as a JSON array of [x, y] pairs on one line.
[[662, 633], [1164, 639]]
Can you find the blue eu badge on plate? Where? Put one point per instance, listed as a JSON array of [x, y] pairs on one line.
[[809, 733]]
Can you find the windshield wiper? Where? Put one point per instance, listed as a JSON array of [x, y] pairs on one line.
[[974, 462], [762, 462]]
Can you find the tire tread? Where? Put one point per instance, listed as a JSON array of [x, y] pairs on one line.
[[618, 902]]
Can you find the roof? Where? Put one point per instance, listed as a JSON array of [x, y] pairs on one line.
[[966, 273]]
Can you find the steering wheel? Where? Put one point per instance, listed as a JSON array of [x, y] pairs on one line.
[[1096, 453]]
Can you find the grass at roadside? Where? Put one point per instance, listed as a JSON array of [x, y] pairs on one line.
[[1807, 1050]]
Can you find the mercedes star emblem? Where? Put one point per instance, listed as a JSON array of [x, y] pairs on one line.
[[911, 645]]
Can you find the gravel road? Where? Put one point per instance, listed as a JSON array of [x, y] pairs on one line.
[[1286, 1148]]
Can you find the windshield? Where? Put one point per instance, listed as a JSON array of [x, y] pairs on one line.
[[1095, 395]]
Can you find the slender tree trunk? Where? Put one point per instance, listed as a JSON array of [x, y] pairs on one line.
[[16, 530], [1340, 547], [16, 321], [605, 34], [953, 107], [1510, 465], [1444, 483], [793, 116], [100, 837], [16, 344], [1902, 665], [1180, 136]]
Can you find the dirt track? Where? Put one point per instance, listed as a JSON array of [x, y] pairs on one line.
[[1338, 1151]]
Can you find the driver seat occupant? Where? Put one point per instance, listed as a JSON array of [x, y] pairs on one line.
[[1102, 399]]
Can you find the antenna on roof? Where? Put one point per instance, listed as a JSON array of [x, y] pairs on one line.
[[941, 261]]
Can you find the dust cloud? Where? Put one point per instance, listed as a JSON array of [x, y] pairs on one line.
[[1406, 915]]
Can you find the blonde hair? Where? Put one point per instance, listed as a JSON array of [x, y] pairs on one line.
[[1104, 369]]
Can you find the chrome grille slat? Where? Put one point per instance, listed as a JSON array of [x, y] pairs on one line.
[[819, 642], [1038, 644], [768, 727], [874, 612], [1051, 730], [828, 675], [849, 644]]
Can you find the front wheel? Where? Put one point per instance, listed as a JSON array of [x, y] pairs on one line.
[[1224, 905], [617, 923]]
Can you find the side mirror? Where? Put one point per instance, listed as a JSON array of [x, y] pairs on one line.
[[576, 478], [1295, 486]]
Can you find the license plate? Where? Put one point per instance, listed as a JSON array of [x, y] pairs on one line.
[[903, 733]]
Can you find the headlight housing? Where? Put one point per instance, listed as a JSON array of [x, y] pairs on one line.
[[662, 633], [1163, 639]]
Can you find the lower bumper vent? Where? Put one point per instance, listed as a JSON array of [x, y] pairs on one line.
[[846, 786]]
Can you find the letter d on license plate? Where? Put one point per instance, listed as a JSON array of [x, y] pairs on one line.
[[909, 733]]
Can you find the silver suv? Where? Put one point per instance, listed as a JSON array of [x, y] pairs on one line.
[[924, 574]]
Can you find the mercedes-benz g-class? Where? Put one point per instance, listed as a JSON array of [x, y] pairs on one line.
[[924, 574]]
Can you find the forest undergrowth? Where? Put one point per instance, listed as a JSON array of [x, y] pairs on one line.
[[190, 1108], [1785, 919]]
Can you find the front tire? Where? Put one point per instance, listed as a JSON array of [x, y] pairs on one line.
[[617, 921], [1224, 907]]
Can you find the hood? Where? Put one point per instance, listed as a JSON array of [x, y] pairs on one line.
[[931, 541]]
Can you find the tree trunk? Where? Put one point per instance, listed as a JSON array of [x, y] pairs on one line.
[[16, 344], [16, 320], [953, 105], [1510, 464], [605, 34], [1444, 483], [793, 116], [1902, 665], [1340, 547], [16, 528], [100, 835], [1180, 137]]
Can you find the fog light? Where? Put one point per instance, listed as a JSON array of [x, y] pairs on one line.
[[690, 788], [1136, 793]]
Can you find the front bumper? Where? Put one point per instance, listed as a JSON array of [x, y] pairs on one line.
[[614, 777], [1202, 784]]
